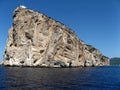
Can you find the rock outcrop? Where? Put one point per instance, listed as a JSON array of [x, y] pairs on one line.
[[1, 63], [37, 40]]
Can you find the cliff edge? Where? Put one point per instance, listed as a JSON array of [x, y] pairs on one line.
[[37, 40]]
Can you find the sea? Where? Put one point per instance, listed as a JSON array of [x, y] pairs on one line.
[[88, 78]]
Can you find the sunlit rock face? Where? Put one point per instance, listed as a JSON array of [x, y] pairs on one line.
[[37, 40]]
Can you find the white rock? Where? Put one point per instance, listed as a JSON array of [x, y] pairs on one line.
[[22, 6], [37, 40]]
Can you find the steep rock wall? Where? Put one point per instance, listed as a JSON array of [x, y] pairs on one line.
[[37, 40]]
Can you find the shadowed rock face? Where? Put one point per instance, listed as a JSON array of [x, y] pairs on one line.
[[37, 40]]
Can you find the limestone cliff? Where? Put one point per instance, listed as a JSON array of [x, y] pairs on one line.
[[37, 40]]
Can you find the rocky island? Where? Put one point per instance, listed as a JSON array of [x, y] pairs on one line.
[[38, 40]]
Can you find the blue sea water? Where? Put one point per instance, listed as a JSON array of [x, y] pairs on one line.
[[89, 78]]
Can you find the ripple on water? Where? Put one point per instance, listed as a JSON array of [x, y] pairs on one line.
[[90, 78]]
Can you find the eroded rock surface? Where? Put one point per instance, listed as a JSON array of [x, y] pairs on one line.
[[37, 40]]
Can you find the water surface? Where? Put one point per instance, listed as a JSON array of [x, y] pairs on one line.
[[90, 78]]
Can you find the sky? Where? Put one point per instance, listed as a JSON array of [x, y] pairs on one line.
[[96, 22]]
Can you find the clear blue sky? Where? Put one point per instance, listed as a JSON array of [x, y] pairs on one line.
[[96, 22]]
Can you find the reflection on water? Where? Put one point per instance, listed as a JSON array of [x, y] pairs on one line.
[[17, 78]]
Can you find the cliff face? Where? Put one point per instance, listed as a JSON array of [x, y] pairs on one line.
[[37, 40]]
